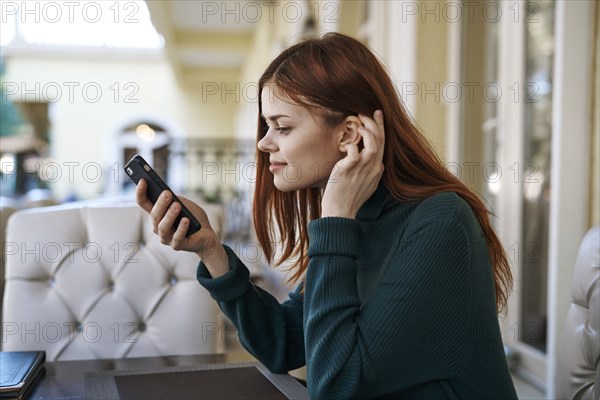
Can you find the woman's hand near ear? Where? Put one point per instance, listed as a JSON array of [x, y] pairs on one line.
[[356, 176]]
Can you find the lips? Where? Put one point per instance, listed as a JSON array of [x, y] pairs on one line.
[[276, 165]]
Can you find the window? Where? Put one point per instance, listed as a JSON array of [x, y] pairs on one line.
[[535, 171]]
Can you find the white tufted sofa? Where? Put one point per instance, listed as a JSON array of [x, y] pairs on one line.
[[93, 281], [7, 208], [578, 372]]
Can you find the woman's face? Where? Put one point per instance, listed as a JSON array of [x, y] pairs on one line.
[[302, 151]]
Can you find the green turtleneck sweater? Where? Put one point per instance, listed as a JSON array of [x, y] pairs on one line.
[[398, 303]]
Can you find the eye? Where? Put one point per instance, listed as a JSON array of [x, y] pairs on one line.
[[283, 129]]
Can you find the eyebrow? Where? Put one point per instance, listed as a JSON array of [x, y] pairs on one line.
[[274, 117]]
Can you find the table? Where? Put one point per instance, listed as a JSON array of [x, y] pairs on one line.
[[64, 379]]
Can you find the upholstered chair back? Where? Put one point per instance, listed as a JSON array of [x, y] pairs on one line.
[[7, 208], [93, 281], [578, 372]]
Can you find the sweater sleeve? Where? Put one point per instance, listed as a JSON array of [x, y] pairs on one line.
[[411, 330], [270, 331]]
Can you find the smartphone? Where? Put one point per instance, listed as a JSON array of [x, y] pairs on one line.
[[137, 168]]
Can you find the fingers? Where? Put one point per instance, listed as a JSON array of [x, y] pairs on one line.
[[370, 150], [179, 238], [373, 134], [381, 132], [378, 115], [141, 198], [163, 218], [156, 211], [163, 215], [352, 157], [375, 125], [370, 145]]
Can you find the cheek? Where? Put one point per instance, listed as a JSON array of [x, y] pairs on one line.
[[311, 148], [322, 164]]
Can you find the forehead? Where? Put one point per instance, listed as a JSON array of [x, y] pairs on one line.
[[275, 99], [275, 103]]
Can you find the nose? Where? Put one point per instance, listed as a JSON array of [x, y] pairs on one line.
[[266, 144]]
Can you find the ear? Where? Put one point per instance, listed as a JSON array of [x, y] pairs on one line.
[[348, 132]]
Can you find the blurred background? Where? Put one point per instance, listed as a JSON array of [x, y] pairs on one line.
[[507, 92]]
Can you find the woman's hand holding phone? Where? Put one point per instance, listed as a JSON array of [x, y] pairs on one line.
[[205, 243]]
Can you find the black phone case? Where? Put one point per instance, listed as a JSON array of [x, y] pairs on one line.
[[137, 168]]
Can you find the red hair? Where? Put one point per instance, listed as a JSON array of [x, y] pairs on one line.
[[337, 76]]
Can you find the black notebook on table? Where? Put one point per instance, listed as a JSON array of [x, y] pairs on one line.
[[18, 371], [216, 382]]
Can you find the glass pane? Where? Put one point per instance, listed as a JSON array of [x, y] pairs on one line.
[[535, 171], [489, 128]]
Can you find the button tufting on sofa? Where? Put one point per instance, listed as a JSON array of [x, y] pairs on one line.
[[93, 281]]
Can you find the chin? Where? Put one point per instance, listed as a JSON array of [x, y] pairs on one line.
[[286, 186]]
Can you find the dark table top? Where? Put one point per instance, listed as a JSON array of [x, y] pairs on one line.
[[64, 379]]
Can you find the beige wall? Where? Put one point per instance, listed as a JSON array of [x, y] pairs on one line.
[[256, 61], [84, 123], [349, 17], [417, 59], [431, 76]]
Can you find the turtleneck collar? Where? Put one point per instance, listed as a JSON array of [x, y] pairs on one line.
[[376, 204]]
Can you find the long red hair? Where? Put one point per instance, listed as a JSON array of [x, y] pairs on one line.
[[337, 76]]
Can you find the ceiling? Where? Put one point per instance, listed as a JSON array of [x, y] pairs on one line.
[[205, 37]]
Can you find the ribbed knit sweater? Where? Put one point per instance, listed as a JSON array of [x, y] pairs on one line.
[[398, 303]]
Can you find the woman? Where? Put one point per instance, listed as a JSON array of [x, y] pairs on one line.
[[400, 274]]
